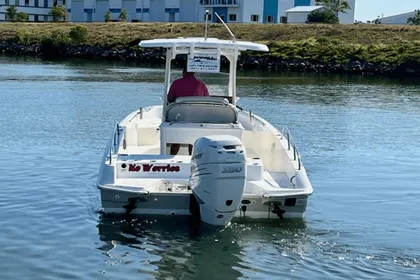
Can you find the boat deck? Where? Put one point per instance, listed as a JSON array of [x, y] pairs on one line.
[[166, 181], [140, 150]]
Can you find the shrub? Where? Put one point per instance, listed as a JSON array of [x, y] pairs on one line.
[[415, 19], [319, 16], [123, 15], [11, 13], [53, 45], [58, 13], [22, 16], [78, 34], [108, 16], [56, 38], [23, 36]]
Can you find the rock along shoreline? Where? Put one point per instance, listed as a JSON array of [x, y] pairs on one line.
[[262, 62]]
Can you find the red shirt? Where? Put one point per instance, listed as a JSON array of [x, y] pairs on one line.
[[187, 86]]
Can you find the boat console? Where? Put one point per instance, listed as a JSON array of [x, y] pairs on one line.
[[190, 118]]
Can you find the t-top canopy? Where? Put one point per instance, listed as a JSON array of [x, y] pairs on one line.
[[199, 42]]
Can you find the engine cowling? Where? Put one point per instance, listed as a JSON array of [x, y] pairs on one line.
[[218, 177]]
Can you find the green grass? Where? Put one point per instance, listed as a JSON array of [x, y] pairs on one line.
[[340, 43]]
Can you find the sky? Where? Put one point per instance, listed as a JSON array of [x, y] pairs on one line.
[[371, 9]]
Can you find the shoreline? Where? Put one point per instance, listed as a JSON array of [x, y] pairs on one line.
[[265, 62], [372, 50]]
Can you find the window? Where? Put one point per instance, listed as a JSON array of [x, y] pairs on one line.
[[283, 19], [45, 18], [26, 2], [270, 19], [208, 17], [6, 2], [255, 17], [232, 17]]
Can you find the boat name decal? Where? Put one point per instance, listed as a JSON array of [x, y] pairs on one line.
[[153, 168]]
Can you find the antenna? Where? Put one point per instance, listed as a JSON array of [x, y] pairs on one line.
[[230, 31], [206, 28]]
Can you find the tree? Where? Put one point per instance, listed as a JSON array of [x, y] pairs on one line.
[[415, 20], [108, 16], [58, 13], [320, 16], [22, 16], [11, 13], [336, 6], [123, 15]]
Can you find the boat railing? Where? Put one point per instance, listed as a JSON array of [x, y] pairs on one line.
[[114, 143], [291, 145]]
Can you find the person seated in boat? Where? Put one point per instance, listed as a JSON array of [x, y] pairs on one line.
[[188, 85]]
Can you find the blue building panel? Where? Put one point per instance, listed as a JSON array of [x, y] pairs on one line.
[[302, 3], [45, 3], [222, 12], [271, 8]]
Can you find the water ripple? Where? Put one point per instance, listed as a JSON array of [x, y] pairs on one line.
[[359, 142]]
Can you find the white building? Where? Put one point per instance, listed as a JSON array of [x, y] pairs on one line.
[[397, 19], [300, 14], [244, 11], [182, 10], [38, 10]]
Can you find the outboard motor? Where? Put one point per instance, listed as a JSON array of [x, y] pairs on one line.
[[218, 177]]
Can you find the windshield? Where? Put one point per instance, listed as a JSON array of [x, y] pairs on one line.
[[217, 83]]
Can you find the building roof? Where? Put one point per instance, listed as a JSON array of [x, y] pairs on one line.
[[408, 14], [304, 9]]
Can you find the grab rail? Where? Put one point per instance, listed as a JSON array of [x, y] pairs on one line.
[[291, 144], [114, 142]]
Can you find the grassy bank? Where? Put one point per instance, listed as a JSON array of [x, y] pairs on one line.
[[339, 43]]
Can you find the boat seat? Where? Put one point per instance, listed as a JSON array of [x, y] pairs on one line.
[[202, 110], [142, 136], [202, 99]]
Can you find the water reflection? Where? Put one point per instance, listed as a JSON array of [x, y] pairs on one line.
[[179, 249]]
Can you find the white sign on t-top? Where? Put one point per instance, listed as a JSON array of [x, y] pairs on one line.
[[205, 63]]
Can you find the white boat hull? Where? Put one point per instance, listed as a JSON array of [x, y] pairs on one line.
[[138, 178], [179, 204]]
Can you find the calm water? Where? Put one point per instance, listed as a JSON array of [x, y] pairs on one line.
[[360, 144]]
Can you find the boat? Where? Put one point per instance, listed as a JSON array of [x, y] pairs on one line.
[[240, 164]]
